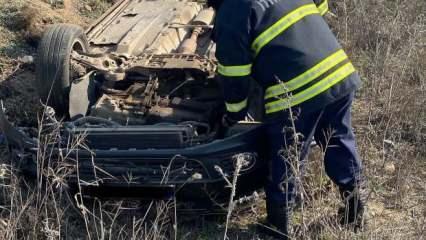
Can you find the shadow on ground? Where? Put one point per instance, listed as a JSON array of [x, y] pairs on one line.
[[19, 97]]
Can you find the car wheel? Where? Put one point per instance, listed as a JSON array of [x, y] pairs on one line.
[[53, 64]]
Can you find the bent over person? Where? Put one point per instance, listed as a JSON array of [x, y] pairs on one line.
[[309, 85]]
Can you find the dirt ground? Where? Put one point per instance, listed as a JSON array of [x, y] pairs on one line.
[[22, 23], [386, 41]]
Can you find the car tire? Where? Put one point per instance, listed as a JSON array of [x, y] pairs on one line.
[[53, 64]]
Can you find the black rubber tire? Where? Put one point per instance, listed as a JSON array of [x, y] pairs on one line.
[[53, 64]]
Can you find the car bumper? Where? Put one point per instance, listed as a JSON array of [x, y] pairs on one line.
[[191, 172]]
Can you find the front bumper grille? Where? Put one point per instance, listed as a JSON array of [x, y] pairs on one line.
[[152, 170]]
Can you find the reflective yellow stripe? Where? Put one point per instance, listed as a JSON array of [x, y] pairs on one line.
[[235, 71], [307, 77], [323, 7], [283, 24], [236, 107], [326, 83]]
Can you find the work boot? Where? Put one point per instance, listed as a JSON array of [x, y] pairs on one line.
[[277, 223], [352, 214]]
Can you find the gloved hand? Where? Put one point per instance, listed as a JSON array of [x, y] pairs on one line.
[[225, 123]]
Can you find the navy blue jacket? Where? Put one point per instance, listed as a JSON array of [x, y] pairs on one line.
[[288, 48]]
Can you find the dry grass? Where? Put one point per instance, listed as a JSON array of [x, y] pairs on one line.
[[386, 41], [94, 8], [45, 207]]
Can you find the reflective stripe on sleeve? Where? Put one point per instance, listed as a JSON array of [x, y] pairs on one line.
[[283, 24], [323, 7], [234, 71], [326, 83], [236, 107], [307, 77]]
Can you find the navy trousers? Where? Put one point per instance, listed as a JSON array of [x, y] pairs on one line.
[[331, 128]]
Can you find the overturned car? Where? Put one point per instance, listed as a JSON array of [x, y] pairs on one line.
[[140, 86]]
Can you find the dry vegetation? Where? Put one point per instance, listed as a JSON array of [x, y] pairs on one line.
[[386, 40]]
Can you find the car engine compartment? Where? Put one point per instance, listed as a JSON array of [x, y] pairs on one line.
[[171, 81], [147, 96]]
